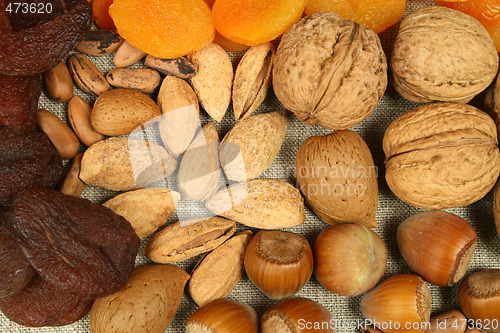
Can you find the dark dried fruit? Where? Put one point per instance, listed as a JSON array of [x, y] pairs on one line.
[[27, 161], [78, 246], [19, 102], [15, 270], [41, 304], [32, 43]]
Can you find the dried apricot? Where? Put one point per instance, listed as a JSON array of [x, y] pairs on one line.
[[164, 28], [251, 22], [377, 15], [32, 43], [227, 44], [100, 12], [485, 11]]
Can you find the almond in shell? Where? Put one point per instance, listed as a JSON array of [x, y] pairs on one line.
[[216, 274], [199, 172], [260, 203], [123, 164], [251, 146], [180, 114], [186, 239], [213, 79], [146, 209], [252, 80]]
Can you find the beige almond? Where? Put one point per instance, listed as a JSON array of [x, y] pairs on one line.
[[72, 184], [127, 55], [123, 164], [99, 42], [186, 239], [146, 209], [216, 275], [213, 79], [260, 203], [251, 146], [121, 111], [86, 75], [252, 80], [61, 136], [58, 83], [144, 80], [178, 67], [79, 118], [452, 321], [147, 303], [180, 114], [199, 172]]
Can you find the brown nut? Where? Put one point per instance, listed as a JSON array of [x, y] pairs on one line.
[[452, 321], [179, 67], [337, 176], [72, 184], [127, 55], [86, 75], [79, 118], [99, 42], [58, 83], [329, 71], [144, 80], [61, 136], [441, 54], [441, 155]]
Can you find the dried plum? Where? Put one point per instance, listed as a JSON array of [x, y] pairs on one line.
[[31, 43], [19, 102], [78, 246], [27, 161], [15, 270], [41, 304]]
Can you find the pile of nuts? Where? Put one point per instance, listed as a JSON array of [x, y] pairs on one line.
[[145, 127]]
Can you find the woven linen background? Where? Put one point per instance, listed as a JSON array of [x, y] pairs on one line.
[[391, 210]]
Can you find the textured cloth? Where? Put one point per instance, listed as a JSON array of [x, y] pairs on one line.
[[391, 210]]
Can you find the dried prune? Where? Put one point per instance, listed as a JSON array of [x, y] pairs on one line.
[[41, 304], [78, 246], [33, 42], [27, 161], [15, 270], [19, 102]]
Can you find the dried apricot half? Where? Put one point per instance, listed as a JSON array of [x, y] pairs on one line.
[[164, 28], [377, 15], [100, 12], [485, 11], [251, 22]]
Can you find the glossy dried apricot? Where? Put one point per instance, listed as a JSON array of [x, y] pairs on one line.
[[164, 28], [100, 12], [228, 45], [485, 11], [377, 15], [251, 22]]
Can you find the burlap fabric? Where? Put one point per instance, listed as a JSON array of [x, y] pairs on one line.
[[391, 211]]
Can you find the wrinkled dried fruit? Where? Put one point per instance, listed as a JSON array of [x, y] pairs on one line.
[[34, 43], [15, 270], [41, 304], [78, 246], [27, 161], [19, 102]]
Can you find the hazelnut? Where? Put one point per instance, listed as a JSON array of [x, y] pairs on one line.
[[452, 321], [437, 245]]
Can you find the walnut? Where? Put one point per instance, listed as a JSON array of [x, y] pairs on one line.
[[441, 54], [441, 155], [329, 71]]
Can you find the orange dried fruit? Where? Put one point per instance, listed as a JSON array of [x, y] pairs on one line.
[[485, 11], [100, 12], [377, 15], [227, 44], [251, 22], [164, 28]]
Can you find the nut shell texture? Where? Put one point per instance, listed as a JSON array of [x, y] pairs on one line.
[[329, 71], [441, 155], [441, 54]]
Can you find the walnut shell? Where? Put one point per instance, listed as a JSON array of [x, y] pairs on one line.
[[337, 176], [441, 54], [441, 155], [329, 71]]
